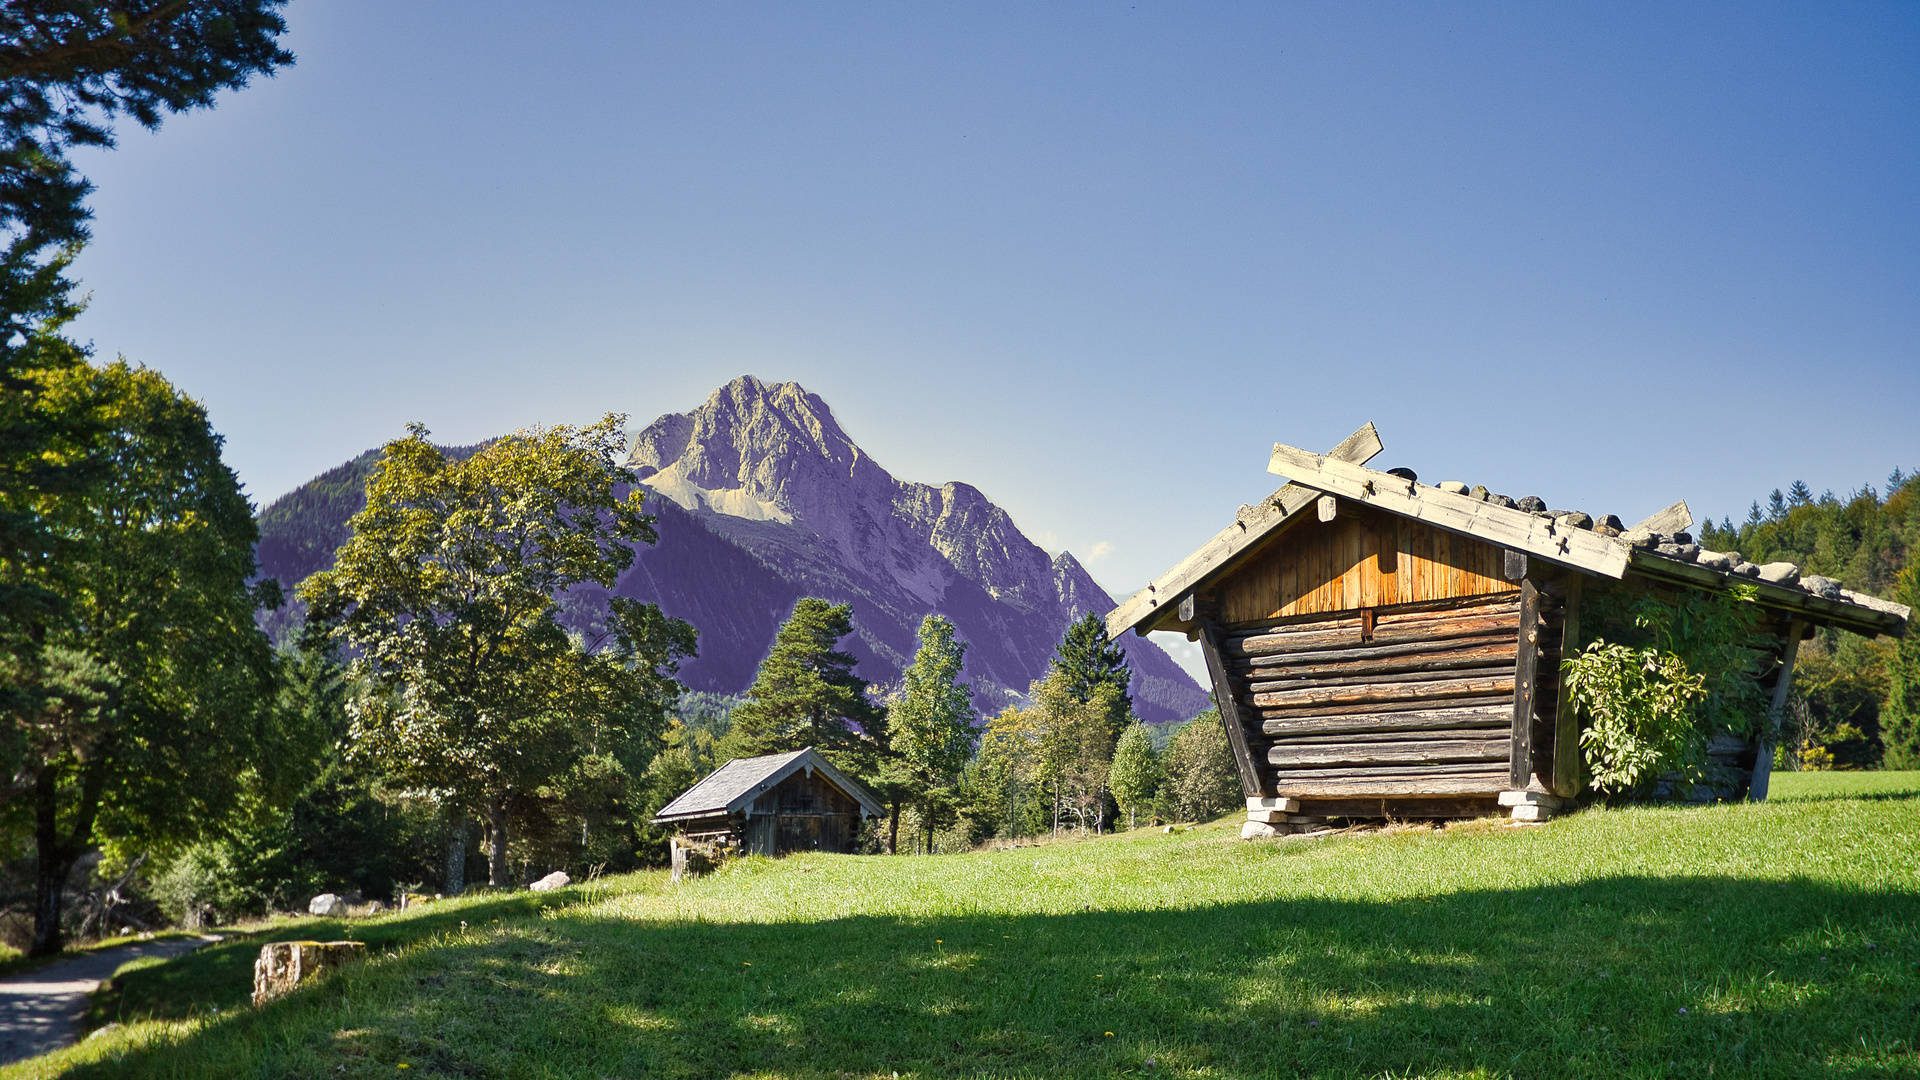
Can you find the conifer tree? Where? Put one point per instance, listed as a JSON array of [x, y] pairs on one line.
[[1085, 660], [806, 694]]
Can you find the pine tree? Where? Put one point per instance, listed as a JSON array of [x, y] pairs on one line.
[[806, 694], [1136, 771], [930, 729], [1085, 660]]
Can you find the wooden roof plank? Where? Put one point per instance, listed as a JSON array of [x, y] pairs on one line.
[[1517, 530], [1159, 601]]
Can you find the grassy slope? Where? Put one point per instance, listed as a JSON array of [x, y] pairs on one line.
[[1771, 940]]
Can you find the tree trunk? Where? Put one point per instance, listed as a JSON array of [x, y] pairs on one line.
[[54, 857], [893, 828], [457, 856], [498, 874]]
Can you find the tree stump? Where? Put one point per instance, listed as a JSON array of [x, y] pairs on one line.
[[284, 965]]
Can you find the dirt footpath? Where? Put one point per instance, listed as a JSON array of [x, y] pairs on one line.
[[41, 1010]]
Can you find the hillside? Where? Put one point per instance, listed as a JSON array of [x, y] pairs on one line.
[[1761, 940], [763, 499]]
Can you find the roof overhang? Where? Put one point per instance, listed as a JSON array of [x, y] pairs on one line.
[[1343, 473]]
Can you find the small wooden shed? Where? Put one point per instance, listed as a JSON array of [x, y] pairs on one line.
[[1380, 647], [773, 805]]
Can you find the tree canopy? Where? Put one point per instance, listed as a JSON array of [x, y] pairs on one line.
[[806, 694], [930, 727], [142, 706], [1085, 661], [448, 593]]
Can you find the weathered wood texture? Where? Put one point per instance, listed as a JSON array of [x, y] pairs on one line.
[[1230, 714], [1150, 606], [1420, 707], [1545, 538], [1353, 562], [1566, 725], [1520, 763], [1782, 682]]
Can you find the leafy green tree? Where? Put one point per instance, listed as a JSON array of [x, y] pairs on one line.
[[1201, 778], [1137, 773], [143, 708], [67, 71], [448, 592], [930, 729], [806, 694]]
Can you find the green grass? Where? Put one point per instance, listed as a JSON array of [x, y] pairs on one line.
[[1776, 940]]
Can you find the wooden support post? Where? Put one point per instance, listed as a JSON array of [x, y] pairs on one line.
[[1566, 722], [1763, 757], [1520, 762], [1250, 784], [1187, 607], [1328, 506]]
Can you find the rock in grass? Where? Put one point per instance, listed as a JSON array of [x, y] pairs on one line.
[[327, 906], [556, 880]]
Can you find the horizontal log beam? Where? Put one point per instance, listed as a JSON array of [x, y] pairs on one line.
[[1503, 701], [1372, 674], [1289, 756], [1488, 785], [1412, 720], [1362, 693], [1358, 653], [1403, 809], [1395, 615], [1383, 634], [1349, 738]]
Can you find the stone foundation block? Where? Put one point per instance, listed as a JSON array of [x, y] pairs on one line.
[[1532, 812], [1530, 798], [1268, 817], [1268, 802]]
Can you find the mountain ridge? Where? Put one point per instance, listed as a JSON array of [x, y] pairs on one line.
[[762, 498]]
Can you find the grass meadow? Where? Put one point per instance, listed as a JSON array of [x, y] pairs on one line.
[[1771, 940]]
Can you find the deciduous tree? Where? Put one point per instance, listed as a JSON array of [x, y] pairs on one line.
[[141, 706], [447, 592], [1137, 774], [930, 728]]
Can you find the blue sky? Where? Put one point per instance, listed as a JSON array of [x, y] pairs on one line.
[[1092, 258]]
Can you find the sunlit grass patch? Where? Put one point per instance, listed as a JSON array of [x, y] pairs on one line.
[[1772, 940]]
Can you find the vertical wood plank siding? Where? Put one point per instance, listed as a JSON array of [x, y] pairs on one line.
[[1360, 560]]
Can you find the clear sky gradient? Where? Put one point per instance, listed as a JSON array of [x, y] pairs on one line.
[[1094, 259]]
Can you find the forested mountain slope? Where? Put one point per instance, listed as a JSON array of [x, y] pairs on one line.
[[1860, 695], [762, 499]]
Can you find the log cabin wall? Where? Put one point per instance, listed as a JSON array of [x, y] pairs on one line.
[[1375, 658]]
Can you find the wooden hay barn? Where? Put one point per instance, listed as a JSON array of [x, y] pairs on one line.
[[773, 805], [1381, 647]]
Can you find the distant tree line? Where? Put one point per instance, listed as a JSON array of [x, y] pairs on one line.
[[1857, 702]]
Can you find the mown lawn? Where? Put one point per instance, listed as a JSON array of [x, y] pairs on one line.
[[1776, 940]]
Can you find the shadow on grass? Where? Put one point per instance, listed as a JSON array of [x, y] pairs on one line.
[[1635, 976], [220, 977]]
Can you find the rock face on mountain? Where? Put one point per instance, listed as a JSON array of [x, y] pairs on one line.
[[762, 499]]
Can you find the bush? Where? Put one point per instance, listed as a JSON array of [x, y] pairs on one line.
[[1202, 781]]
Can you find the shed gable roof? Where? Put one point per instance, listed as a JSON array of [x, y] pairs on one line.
[[733, 786], [1344, 473]]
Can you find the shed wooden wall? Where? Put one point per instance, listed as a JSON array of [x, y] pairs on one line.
[[1360, 559], [803, 813]]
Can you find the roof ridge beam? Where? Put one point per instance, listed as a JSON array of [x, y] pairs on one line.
[[1515, 530]]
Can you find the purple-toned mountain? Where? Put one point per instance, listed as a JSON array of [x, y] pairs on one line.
[[762, 499]]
